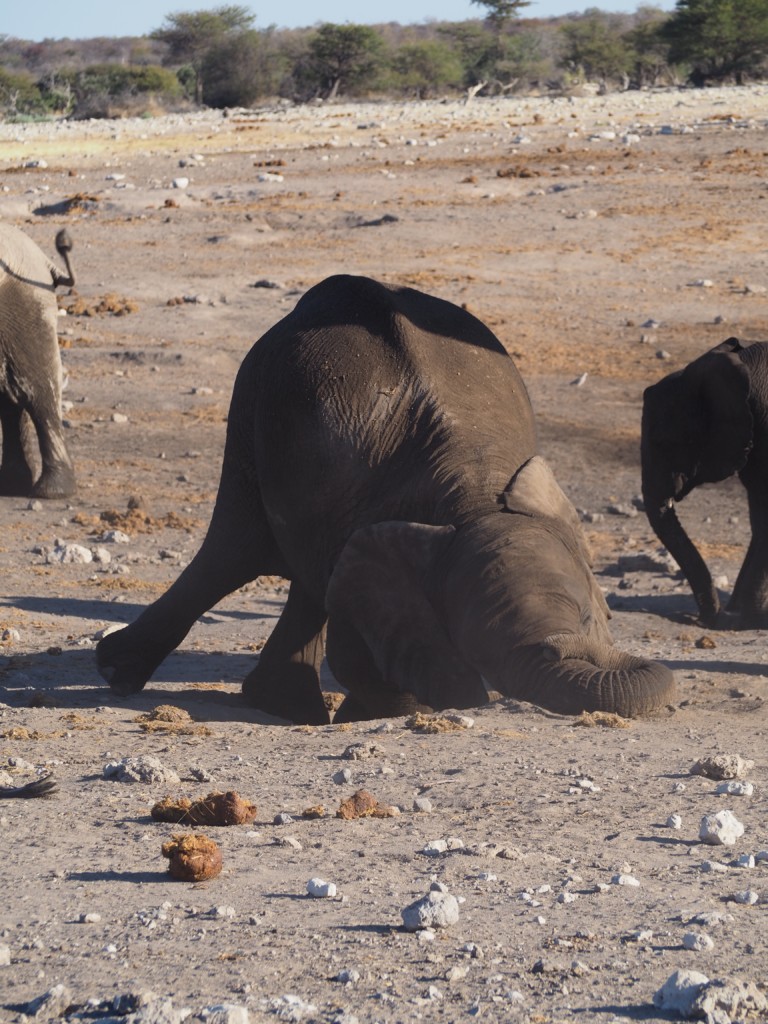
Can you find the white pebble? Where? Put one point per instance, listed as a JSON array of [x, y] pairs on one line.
[[748, 897], [714, 866], [319, 889], [69, 554], [746, 860], [679, 992], [734, 788], [180, 183], [5, 956], [674, 821], [567, 897], [698, 942], [625, 880], [343, 777], [721, 829], [422, 805], [435, 910]]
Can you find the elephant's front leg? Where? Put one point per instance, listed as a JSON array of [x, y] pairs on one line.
[[748, 606], [286, 680]]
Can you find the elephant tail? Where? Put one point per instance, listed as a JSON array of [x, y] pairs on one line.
[[569, 673], [63, 247]]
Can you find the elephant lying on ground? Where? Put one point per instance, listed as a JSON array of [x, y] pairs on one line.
[[30, 365], [702, 424], [380, 454]]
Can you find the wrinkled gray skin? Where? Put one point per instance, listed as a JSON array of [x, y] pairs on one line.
[[380, 454], [30, 366], [701, 425]]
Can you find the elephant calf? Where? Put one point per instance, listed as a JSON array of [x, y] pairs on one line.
[[380, 454], [702, 424], [30, 366]]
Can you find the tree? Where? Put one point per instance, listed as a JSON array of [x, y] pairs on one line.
[[242, 68], [595, 47], [500, 12], [344, 56], [191, 36], [422, 68], [719, 39]]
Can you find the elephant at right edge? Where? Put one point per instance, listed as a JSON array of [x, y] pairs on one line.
[[701, 425]]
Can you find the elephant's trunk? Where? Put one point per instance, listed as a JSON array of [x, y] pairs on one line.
[[662, 516], [569, 673]]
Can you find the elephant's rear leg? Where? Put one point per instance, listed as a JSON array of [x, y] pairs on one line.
[[16, 474], [57, 479], [238, 547], [286, 680]]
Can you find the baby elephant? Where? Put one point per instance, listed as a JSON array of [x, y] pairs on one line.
[[30, 366], [700, 425], [380, 454]]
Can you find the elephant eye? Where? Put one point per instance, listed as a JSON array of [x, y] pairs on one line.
[[586, 618]]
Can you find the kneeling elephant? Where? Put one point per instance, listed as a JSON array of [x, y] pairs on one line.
[[380, 454]]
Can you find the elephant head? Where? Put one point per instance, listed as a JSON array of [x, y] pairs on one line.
[[507, 599], [696, 428]]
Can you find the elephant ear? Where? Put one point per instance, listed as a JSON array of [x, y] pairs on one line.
[[533, 491], [380, 587], [719, 383]]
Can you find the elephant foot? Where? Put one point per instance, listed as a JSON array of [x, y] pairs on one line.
[[16, 482], [292, 693], [55, 483], [740, 619], [119, 668]]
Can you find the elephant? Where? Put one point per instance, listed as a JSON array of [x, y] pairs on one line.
[[381, 455], [701, 425], [30, 366]]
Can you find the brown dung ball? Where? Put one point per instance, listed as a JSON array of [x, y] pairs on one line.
[[192, 858]]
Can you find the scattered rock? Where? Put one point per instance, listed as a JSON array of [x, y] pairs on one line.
[[144, 768], [362, 751], [320, 889], [723, 766], [720, 829], [435, 910], [363, 804], [680, 991]]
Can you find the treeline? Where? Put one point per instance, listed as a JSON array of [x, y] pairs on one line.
[[218, 58]]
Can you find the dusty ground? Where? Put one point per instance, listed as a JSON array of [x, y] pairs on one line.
[[567, 226]]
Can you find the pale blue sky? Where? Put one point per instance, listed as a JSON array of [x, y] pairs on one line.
[[83, 19]]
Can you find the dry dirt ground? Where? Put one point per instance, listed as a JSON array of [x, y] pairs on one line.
[[568, 226]]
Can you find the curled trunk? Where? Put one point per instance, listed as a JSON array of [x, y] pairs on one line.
[[569, 673]]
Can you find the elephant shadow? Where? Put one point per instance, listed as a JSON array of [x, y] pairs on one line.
[[677, 607]]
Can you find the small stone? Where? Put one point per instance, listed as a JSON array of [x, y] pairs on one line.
[[10, 636], [34, 505], [698, 942], [362, 751], [735, 788], [282, 819], [225, 1013], [5, 956], [435, 910], [319, 889], [435, 847], [714, 867], [679, 992], [348, 976], [180, 183], [343, 777], [674, 821], [65, 554], [422, 805], [747, 898], [290, 842], [119, 417], [144, 768], [53, 1003], [723, 766], [89, 918], [746, 860], [721, 829], [629, 880], [567, 897]]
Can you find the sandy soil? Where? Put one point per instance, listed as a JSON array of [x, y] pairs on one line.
[[567, 226]]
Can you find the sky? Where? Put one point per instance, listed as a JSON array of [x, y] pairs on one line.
[[84, 19]]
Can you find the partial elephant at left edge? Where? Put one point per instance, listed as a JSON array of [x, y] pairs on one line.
[[30, 367]]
